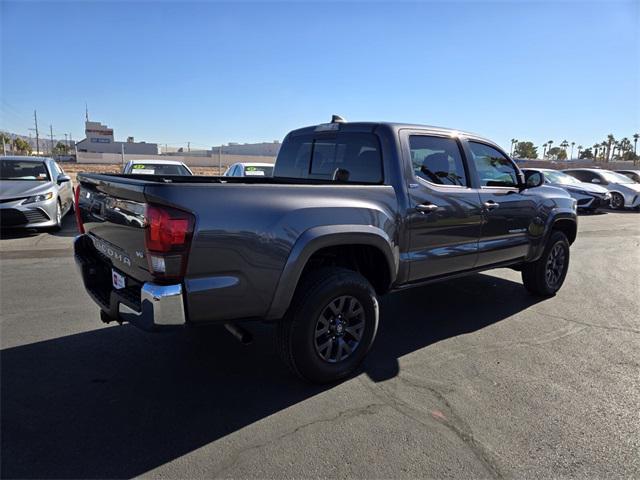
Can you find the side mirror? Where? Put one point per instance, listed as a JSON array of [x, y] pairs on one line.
[[533, 179], [340, 175], [595, 180], [63, 178]]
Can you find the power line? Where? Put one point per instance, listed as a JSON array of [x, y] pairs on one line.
[[35, 119]]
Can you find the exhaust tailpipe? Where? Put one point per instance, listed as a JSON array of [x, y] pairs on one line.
[[241, 334]]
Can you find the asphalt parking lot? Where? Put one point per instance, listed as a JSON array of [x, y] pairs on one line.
[[469, 378]]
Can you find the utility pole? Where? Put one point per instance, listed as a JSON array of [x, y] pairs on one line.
[[51, 134], [66, 141], [35, 119], [220, 160], [4, 146], [188, 146], [122, 153]]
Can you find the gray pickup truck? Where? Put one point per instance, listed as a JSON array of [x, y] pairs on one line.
[[353, 211]]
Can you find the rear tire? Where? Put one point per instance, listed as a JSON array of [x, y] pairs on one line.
[[546, 275], [330, 325]]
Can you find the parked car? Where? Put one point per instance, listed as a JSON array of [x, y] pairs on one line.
[[249, 170], [589, 196], [34, 192], [625, 193], [632, 174], [353, 211], [156, 167]]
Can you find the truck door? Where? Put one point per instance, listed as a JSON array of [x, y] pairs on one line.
[[444, 214], [506, 211]]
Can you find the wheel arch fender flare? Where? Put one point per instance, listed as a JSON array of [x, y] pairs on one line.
[[316, 238], [565, 220]]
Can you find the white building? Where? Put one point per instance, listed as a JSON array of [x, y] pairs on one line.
[[99, 139]]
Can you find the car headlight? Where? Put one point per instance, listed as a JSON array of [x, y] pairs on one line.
[[39, 198], [607, 195]]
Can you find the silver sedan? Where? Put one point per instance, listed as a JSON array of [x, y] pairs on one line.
[[34, 192], [625, 193]]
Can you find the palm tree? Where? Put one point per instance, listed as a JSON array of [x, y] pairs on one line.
[[635, 144], [625, 147], [544, 150], [572, 145], [513, 142], [604, 151], [610, 140], [21, 146], [595, 151], [564, 146], [579, 150], [549, 143]]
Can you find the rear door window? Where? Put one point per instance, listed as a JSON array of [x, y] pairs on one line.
[[319, 157], [437, 160]]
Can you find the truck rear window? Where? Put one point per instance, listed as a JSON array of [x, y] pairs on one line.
[[318, 157]]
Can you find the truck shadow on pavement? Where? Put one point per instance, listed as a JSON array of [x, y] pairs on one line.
[[69, 229], [116, 402]]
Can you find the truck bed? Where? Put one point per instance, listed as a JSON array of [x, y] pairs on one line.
[[245, 230]]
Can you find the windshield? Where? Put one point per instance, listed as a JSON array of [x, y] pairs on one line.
[[23, 170], [159, 169], [258, 171], [613, 177], [560, 177]]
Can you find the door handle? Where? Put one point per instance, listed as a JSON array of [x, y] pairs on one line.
[[426, 207], [490, 205]]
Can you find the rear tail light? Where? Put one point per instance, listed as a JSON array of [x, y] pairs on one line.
[[76, 207], [167, 241]]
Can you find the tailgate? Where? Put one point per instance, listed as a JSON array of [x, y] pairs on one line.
[[113, 213]]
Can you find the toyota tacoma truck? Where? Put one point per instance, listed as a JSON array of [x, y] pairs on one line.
[[353, 211]]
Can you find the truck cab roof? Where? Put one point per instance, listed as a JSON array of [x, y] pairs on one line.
[[391, 126]]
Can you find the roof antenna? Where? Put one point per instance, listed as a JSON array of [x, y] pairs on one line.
[[86, 112], [337, 119]]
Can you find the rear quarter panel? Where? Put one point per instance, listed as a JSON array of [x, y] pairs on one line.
[[245, 234]]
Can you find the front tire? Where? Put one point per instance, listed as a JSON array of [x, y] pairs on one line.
[[330, 325], [58, 217], [545, 276], [617, 201]]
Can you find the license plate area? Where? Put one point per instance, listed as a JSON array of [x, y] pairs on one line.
[[118, 280]]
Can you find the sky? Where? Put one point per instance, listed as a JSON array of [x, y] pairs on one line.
[[214, 72]]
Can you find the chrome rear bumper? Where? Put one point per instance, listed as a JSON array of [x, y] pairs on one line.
[[148, 306], [162, 305]]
